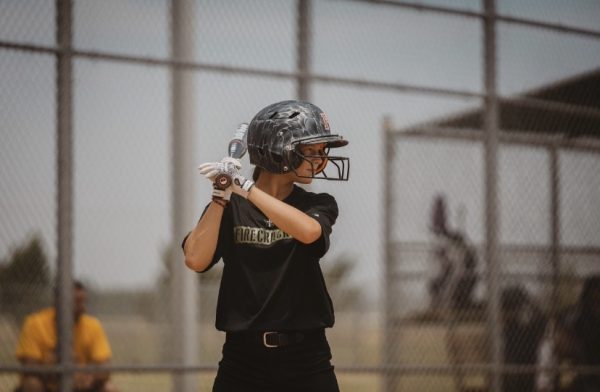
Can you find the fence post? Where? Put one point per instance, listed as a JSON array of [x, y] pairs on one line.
[[63, 295], [390, 318], [184, 283], [303, 48], [491, 126]]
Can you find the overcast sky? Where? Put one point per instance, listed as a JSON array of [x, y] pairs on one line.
[[122, 145]]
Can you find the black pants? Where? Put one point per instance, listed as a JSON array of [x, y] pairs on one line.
[[249, 366]]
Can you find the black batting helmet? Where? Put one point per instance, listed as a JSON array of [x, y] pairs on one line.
[[277, 131]]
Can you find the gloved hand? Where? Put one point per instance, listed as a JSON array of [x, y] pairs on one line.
[[217, 172], [221, 196], [228, 168], [210, 170], [242, 185]]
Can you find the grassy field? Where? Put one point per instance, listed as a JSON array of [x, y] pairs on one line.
[[355, 341]]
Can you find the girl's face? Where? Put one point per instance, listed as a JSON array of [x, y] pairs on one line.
[[315, 161]]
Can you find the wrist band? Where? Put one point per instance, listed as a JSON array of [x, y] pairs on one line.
[[223, 203], [247, 185]]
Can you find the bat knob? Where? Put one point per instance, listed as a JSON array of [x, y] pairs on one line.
[[222, 181]]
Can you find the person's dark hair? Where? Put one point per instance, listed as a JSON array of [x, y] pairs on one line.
[[255, 173], [78, 285]]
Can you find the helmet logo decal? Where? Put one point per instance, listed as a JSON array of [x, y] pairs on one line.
[[325, 121]]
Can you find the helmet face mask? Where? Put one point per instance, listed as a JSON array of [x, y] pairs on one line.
[[276, 133], [333, 168]]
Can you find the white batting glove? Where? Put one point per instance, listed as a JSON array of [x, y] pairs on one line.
[[231, 163], [230, 167], [227, 165], [210, 170], [221, 194], [242, 185]]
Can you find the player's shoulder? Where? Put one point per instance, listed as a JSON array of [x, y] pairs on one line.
[[301, 192], [39, 320], [89, 320], [316, 201], [42, 315]]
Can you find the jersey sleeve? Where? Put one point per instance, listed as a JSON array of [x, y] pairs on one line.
[[100, 350], [29, 342], [225, 242], [324, 209]]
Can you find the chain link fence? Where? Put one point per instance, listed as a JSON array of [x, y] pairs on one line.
[[466, 232]]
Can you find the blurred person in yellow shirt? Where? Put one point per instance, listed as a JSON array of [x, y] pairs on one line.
[[38, 346]]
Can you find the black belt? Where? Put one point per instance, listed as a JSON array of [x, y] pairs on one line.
[[274, 339]]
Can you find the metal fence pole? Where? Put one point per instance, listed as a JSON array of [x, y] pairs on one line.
[[389, 260], [303, 49], [555, 228], [64, 153], [491, 127], [184, 283]]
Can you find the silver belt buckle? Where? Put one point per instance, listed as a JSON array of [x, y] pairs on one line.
[[265, 340]]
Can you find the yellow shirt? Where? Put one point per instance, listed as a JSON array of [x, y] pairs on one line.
[[38, 339]]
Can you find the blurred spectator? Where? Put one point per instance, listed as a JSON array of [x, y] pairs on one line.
[[523, 329], [548, 359], [580, 336], [38, 346], [454, 281]]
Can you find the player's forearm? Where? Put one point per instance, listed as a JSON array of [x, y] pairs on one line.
[[287, 218], [201, 244]]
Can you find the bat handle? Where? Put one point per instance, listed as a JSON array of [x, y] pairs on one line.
[[236, 149]]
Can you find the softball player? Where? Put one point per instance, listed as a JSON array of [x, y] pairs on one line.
[[273, 303]]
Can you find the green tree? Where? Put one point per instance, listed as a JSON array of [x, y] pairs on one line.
[[24, 280]]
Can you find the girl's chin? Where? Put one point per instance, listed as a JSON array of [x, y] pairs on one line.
[[304, 180]]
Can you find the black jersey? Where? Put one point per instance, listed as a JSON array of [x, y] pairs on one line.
[[270, 280]]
